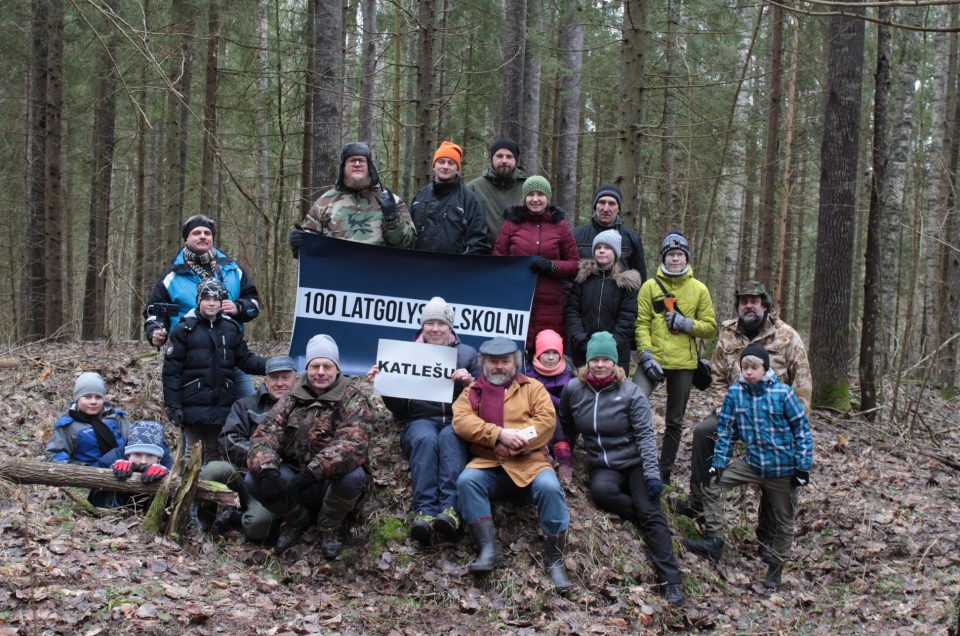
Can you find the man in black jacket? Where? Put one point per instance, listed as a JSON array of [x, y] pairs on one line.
[[245, 416], [449, 217], [606, 216]]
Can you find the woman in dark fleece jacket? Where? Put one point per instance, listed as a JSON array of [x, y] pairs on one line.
[[614, 418], [538, 229]]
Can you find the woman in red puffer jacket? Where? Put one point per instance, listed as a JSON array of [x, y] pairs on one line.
[[537, 228]]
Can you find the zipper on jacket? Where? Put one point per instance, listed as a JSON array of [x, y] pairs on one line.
[[596, 406]]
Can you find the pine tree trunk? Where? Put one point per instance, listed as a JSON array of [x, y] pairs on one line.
[[209, 203], [101, 182], [53, 252], [327, 87], [671, 210], [530, 113], [633, 57], [306, 148], [512, 80], [768, 209], [263, 119], [571, 40], [779, 282], [426, 87], [837, 213], [368, 65]]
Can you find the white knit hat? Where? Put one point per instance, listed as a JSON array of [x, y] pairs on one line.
[[437, 309], [323, 346]]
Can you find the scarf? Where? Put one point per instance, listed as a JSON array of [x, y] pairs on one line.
[[599, 384], [204, 265], [489, 398], [558, 368], [663, 269]]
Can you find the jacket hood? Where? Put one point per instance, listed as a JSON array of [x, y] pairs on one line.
[[625, 279], [770, 377], [519, 214], [358, 149]]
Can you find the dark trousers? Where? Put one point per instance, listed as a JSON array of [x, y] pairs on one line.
[[678, 382], [309, 501], [704, 439], [625, 493]]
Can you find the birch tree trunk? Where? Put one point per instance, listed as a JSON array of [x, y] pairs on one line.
[[512, 82], [327, 87], [263, 119], [765, 246], [633, 57], [837, 213], [571, 40], [530, 113], [368, 66], [209, 203], [101, 182], [53, 258]]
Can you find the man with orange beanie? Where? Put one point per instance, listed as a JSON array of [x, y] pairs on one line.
[[448, 217]]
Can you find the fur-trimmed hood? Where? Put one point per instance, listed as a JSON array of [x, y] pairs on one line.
[[628, 279], [519, 214]]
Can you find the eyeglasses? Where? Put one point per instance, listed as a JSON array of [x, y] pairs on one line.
[[357, 161]]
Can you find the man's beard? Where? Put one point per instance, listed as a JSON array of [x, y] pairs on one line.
[[356, 183], [751, 321], [497, 378], [502, 171]]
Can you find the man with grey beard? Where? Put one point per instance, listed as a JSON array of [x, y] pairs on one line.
[[756, 322], [508, 419]]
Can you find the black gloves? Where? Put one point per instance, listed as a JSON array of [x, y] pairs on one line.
[[800, 478], [271, 486], [542, 265], [302, 481], [712, 477], [296, 240], [388, 205]]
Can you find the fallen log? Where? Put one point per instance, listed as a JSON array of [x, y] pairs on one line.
[[32, 471]]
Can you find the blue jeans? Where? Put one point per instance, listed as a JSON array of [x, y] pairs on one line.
[[478, 486], [437, 456]]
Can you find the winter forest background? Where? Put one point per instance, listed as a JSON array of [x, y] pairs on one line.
[[811, 145]]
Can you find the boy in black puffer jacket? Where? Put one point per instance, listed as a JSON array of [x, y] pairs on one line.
[[198, 372]]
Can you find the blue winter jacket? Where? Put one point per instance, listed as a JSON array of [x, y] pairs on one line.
[[771, 422], [178, 284], [75, 442]]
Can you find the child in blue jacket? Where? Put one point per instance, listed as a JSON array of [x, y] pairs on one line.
[[90, 428], [767, 417]]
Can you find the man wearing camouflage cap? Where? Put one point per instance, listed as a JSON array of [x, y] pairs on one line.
[[756, 322], [358, 208]]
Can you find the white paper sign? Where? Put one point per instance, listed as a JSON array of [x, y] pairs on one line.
[[415, 370]]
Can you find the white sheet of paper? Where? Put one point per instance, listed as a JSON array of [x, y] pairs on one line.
[[415, 370]]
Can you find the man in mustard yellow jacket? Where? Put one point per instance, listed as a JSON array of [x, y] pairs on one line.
[[507, 419]]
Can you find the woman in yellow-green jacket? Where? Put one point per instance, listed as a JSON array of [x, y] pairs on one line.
[[673, 310]]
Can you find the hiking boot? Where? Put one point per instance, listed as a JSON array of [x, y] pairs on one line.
[[553, 548], [712, 548], [688, 508], [330, 523], [289, 537], [421, 530], [229, 519], [485, 536], [774, 572], [447, 524], [766, 554], [202, 515], [673, 594], [331, 543]]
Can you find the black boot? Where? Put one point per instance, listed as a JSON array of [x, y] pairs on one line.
[[712, 548], [673, 594], [330, 523], [485, 536], [289, 537], [774, 572], [553, 561], [766, 555], [229, 519], [688, 508]]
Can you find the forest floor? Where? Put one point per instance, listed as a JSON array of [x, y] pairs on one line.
[[876, 548]]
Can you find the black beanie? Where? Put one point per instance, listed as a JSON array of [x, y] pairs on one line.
[[358, 149], [756, 349], [507, 143], [608, 191], [195, 221]]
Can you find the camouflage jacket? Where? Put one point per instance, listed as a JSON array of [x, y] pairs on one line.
[[788, 358], [326, 433], [356, 216]]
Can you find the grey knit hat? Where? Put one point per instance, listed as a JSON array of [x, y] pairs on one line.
[[89, 382], [611, 238], [437, 309], [323, 346], [280, 363], [145, 436]]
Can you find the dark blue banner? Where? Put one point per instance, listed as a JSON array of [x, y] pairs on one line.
[[359, 293]]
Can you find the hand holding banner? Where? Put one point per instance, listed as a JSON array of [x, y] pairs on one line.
[[415, 370]]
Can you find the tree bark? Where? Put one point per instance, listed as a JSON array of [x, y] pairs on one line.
[[766, 245], [837, 213], [529, 139], [32, 471], [306, 150], [263, 119], [426, 87], [571, 40], [53, 258], [101, 182], [781, 278], [368, 65], [671, 206], [209, 203], [327, 87], [512, 81], [633, 57]]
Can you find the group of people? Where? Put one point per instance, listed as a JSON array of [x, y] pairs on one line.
[[296, 449]]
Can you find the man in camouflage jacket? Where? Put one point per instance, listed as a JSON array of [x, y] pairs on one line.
[[309, 455], [358, 208], [758, 322]]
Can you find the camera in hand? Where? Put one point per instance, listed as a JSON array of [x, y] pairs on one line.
[[163, 310]]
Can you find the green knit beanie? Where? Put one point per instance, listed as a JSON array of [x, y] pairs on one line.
[[538, 184], [602, 345]]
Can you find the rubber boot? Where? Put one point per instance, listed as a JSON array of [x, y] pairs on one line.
[[553, 561], [774, 572], [296, 521], [485, 536], [330, 523]]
